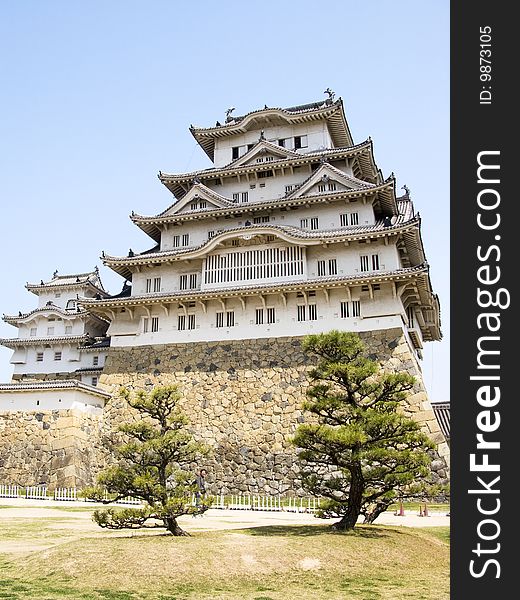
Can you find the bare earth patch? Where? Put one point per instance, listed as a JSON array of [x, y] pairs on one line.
[[58, 553]]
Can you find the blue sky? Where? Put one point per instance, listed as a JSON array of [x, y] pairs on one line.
[[97, 97]]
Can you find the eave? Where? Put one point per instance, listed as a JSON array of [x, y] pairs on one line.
[[37, 288], [17, 320], [179, 183], [51, 341], [332, 112], [383, 194], [122, 265], [106, 306], [58, 385]]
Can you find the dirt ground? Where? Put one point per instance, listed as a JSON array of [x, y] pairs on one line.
[[73, 519]]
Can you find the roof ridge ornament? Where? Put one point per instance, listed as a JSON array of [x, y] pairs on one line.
[[229, 118], [330, 94], [406, 190]]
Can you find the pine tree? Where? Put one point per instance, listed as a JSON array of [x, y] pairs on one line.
[[151, 466], [360, 451]]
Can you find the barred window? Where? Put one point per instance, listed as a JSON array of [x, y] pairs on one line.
[[313, 312], [264, 263], [350, 309]]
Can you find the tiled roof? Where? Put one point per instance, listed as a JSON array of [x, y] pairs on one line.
[[49, 307], [51, 340], [442, 412], [59, 384], [252, 289], [302, 108], [62, 281], [99, 344], [295, 232], [385, 193], [340, 174], [213, 172]]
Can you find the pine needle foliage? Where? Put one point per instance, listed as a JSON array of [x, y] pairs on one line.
[[152, 466], [359, 451]]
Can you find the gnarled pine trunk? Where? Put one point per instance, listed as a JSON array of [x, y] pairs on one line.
[[355, 500], [173, 527]]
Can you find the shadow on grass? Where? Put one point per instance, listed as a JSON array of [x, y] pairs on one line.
[[313, 531]]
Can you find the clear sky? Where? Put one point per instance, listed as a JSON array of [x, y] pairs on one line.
[[97, 97]]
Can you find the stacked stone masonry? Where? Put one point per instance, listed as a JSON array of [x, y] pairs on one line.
[[243, 398]]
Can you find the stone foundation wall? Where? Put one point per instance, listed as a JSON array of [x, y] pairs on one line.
[[243, 398], [58, 448]]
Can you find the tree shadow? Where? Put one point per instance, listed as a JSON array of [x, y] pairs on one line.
[[314, 531]]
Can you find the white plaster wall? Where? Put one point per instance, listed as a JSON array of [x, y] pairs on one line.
[[347, 257], [267, 188], [40, 400], [328, 216], [317, 133], [71, 359], [383, 311], [61, 297], [41, 323]]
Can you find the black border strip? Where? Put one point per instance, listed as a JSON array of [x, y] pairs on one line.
[[483, 124]]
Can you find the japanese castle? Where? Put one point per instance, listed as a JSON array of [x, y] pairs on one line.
[[293, 230]]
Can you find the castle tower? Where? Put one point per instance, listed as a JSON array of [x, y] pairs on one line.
[[293, 230], [59, 339], [51, 412]]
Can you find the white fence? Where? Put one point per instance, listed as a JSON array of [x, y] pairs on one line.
[[266, 503], [9, 491], [66, 494], [36, 492], [254, 502]]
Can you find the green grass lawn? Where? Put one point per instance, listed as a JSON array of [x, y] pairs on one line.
[[263, 563]]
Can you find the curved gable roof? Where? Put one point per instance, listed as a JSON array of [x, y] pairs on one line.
[[332, 112]]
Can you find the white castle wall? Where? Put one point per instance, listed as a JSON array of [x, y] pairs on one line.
[[382, 312], [40, 400], [348, 262], [317, 133], [25, 361], [328, 218]]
